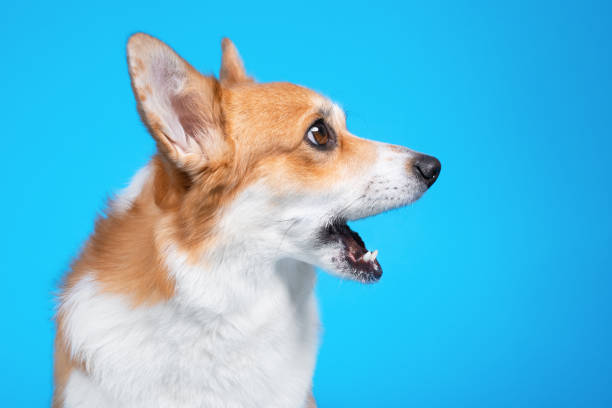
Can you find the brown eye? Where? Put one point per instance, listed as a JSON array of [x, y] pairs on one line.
[[318, 134]]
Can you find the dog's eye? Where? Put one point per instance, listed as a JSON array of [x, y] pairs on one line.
[[318, 134]]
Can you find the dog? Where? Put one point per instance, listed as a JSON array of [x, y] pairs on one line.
[[196, 287]]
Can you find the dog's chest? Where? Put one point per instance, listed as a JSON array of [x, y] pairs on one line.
[[165, 355]]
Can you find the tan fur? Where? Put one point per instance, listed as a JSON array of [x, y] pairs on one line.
[[123, 253], [311, 403], [64, 365], [269, 122], [61, 370]]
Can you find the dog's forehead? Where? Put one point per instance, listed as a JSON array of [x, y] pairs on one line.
[[287, 99]]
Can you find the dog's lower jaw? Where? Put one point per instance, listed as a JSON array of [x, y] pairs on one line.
[[241, 345]]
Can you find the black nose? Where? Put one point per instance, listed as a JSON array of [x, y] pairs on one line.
[[428, 168]]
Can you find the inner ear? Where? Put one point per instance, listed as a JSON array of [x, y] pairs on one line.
[[232, 67], [185, 107], [188, 108]]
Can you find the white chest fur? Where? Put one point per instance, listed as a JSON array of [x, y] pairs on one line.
[[219, 343]]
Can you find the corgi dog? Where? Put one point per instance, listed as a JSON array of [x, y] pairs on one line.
[[196, 287]]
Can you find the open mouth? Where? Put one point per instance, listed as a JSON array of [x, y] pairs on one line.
[[354, 258]]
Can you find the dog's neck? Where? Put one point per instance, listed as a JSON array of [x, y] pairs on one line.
[[237, 273], [239, 265]]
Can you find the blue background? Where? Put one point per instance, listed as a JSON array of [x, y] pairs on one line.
[[497, 284]]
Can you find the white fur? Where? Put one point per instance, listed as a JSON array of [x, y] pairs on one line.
[[176, 355], [81, 391]]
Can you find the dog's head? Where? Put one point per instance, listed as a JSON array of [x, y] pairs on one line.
[[272, 165]]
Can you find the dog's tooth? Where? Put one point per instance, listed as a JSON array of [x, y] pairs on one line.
[[374, 255]]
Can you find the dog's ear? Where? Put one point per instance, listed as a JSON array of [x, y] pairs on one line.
[[180, 107], [232, 68]]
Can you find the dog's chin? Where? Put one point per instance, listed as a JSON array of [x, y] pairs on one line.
[[350, 258]]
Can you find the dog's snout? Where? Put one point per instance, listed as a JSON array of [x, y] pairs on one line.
[[428, 168]]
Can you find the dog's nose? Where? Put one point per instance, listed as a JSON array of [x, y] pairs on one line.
[[428, 168]]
